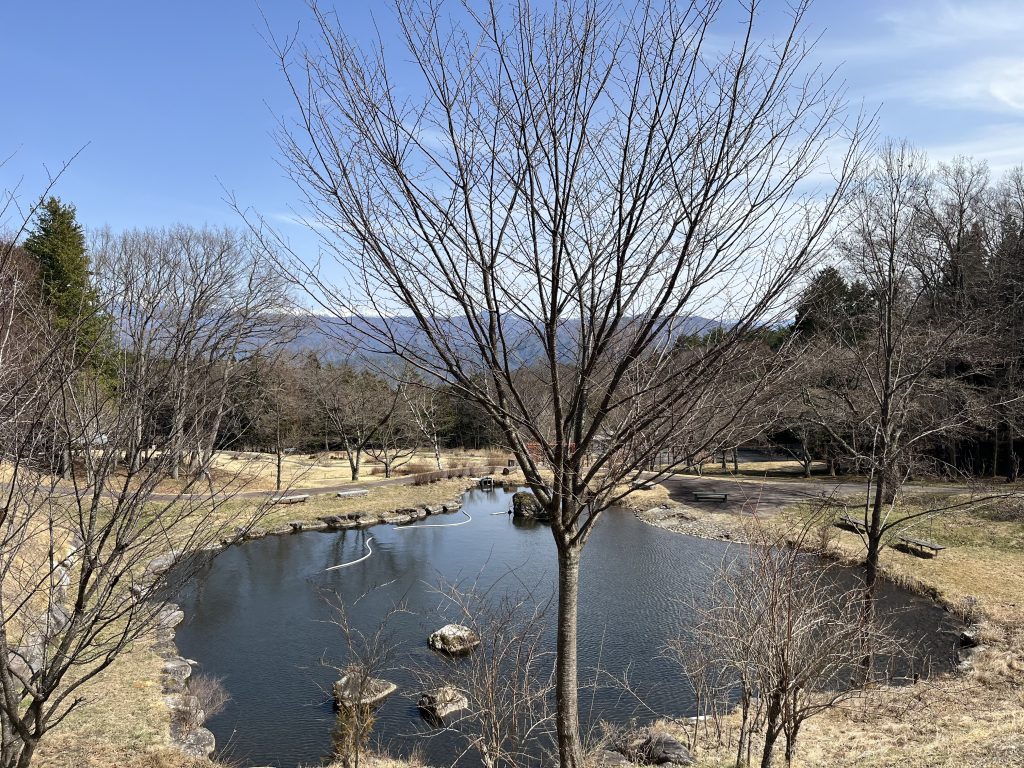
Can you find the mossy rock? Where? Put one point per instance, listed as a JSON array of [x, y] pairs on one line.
[[526, 507]]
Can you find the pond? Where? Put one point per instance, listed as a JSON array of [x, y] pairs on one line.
[[260, 617]]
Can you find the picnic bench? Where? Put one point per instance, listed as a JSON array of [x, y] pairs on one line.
[[710, 496], [352, 493], [924, 548], [845, 521], [290, 499]]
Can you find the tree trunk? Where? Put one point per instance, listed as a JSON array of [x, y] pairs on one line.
[[280, 466], [744, 736], [772, 729], [570, 754], [354, 461], [735, 461], [995, 453], [791, 743], [871, 572]]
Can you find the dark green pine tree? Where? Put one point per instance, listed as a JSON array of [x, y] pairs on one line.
[[58, 245], [821, 305]]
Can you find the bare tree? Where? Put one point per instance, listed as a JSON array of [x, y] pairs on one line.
[[431, 411], [216, 293], [900, 376], [397, 436], [84, 560], [552, 208], [356, 403], [779, 634]]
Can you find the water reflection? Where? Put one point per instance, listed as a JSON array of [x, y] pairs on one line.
[[258, 617]]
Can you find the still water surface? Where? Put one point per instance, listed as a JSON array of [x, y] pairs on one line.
[[260, 617]]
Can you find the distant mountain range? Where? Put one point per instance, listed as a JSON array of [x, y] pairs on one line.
[[337, 339]]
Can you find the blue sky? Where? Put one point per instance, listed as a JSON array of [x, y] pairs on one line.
[[174, 102]]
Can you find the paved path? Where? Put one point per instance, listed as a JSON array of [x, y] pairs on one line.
[[769, 496]]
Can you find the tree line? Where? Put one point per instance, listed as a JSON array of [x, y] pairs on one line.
[[521, 243]]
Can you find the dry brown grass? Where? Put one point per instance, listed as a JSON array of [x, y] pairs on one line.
[[983, 562], [122, 722], [379, 501], [644, 499], [327, 470], [948, 723]]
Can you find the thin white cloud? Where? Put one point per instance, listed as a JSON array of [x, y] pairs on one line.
[[932, 24], [937, 31], [1001, 146], [991, 83]]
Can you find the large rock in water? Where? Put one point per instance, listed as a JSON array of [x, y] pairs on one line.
[[443, 702], [454, 639], [526, 507], [353, 689]]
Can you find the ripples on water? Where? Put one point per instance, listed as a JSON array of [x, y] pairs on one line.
[[259, 617]]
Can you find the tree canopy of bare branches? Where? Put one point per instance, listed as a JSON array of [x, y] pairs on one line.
[[552, 207], [89, 527]]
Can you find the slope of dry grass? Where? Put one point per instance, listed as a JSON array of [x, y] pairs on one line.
[[123, 720]]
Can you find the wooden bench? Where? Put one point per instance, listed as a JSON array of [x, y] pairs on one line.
[[290, 499], [351, 494], [710, 496], [922, 547]]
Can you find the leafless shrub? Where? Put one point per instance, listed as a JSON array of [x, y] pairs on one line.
[[358, 688], [208, 698], [778, 637], [416, 468], [507, 679]]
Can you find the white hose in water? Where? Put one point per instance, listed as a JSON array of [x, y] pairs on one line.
[[369, 552], [435, 525]]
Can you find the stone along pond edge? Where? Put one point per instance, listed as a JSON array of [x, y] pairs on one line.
[[187, 733]]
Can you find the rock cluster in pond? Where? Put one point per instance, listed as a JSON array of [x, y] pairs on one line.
[[454, 639], [187, 716], [355, 688], [526, 507], [969, 645], [443, 702], [646, 746]]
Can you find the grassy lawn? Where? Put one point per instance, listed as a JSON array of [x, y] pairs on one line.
[[975, 719], [258, 471], [379, 501], [983, 560]]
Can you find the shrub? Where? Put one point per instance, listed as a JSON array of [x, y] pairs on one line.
[[209, 697]]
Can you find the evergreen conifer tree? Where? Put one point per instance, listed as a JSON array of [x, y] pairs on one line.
[[57, 243]]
